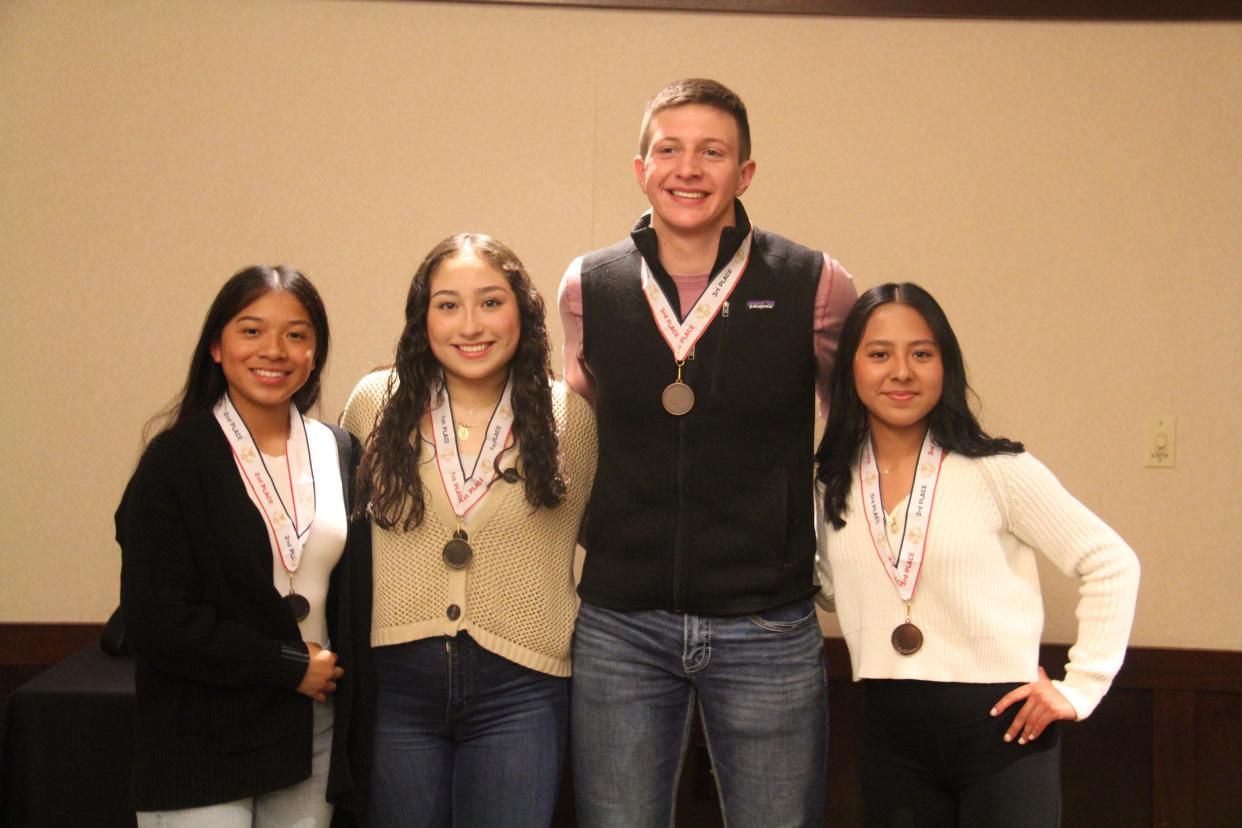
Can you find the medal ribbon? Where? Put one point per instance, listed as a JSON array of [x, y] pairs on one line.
[[904, 566], [283, 529], [682, 336], [464, 491]]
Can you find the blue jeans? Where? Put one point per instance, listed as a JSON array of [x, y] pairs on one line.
[[759, 685], [465, 737]]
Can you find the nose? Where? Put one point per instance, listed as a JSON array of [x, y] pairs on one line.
[[273, 346], [472, 322], [688, 165], [901, 368]]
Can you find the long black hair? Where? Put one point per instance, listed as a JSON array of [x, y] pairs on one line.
[[205, 383], [388, 482], [953, 424]]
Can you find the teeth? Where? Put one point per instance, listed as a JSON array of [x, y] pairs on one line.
[[687, 194], [271, 374], [472, 349]]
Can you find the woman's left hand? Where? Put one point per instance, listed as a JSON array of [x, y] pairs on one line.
[[1044, 705]]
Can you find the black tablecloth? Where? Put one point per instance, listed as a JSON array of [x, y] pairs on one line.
[[67, 740]]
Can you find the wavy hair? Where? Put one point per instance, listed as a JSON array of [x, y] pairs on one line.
[[388, 484], [953, 424], [205, 383]]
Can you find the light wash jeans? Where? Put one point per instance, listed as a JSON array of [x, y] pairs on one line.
[[464, 737], [760, 687], [298, 806]]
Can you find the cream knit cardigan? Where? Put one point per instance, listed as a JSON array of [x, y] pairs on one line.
[[977, 599], [516, 597]]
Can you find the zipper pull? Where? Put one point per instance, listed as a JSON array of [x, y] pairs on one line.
[[724, 309]]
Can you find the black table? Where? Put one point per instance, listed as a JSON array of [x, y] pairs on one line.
[[67, 740]]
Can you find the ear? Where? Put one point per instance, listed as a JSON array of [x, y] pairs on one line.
[[215, 351], [746, 173], [640, 172]]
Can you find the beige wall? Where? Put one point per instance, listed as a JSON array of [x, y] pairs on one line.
[[1071, 192]]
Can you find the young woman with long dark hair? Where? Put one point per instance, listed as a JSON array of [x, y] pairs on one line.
[[476, 472], [928, 550], [235, 539]]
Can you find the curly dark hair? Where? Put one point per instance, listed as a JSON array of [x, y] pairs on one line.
[[205, 382], [388, 485], [953, 424]]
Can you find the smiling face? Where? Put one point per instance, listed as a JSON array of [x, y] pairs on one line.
[[267, 352], [693, 170], [897, 369], [473, 324]]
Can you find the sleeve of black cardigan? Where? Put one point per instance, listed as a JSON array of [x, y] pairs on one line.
[[167, 622]]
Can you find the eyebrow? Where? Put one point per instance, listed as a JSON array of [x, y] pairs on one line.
[[241, 319], [479, 292], [890, 342]]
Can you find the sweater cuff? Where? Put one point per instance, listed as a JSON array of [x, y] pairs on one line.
[[289, 667], [1080, 701]]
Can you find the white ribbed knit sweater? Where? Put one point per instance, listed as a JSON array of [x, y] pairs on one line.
[[516, 598], [978, 601]]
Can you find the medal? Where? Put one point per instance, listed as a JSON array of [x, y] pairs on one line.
[[298, 606], [904, 566], [463, 431], [457, 552], [681, 336], [678, 398], [907, 638]]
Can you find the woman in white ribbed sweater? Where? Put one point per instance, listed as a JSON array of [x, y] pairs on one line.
[[928, 545], [475, 472]]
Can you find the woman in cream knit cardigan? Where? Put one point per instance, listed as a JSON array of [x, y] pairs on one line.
[[476, 473]]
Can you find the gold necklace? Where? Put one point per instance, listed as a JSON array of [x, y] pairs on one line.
[[463, 429]]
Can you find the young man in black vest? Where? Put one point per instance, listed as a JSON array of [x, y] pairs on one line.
[[700, 341]]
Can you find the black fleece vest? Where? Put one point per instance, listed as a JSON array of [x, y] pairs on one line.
[[711, 512]]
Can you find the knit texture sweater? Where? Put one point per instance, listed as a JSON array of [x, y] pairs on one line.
[[977, 599], [516, 597], [218, 655]]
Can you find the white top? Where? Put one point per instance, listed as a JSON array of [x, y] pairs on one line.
[[326, 542], [977, 600]]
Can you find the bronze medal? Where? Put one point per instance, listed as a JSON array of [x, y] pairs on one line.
[[298, 606], [457, 552], [907, 639], [678, 398]]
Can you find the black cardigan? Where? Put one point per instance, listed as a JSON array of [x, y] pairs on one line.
[[218, 656]]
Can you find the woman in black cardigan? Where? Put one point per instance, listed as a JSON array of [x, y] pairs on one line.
[[237, 555]]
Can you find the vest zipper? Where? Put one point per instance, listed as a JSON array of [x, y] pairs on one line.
[[720, 343], [679, 531]]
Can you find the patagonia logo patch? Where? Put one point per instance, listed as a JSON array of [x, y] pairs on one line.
[[760, 304]]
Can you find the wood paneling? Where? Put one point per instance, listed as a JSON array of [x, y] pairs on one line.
[[1163, 749]]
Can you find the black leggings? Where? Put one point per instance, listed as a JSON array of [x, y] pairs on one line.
[[932, 757]]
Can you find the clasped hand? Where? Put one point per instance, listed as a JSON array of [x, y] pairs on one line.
[[321, 673]]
